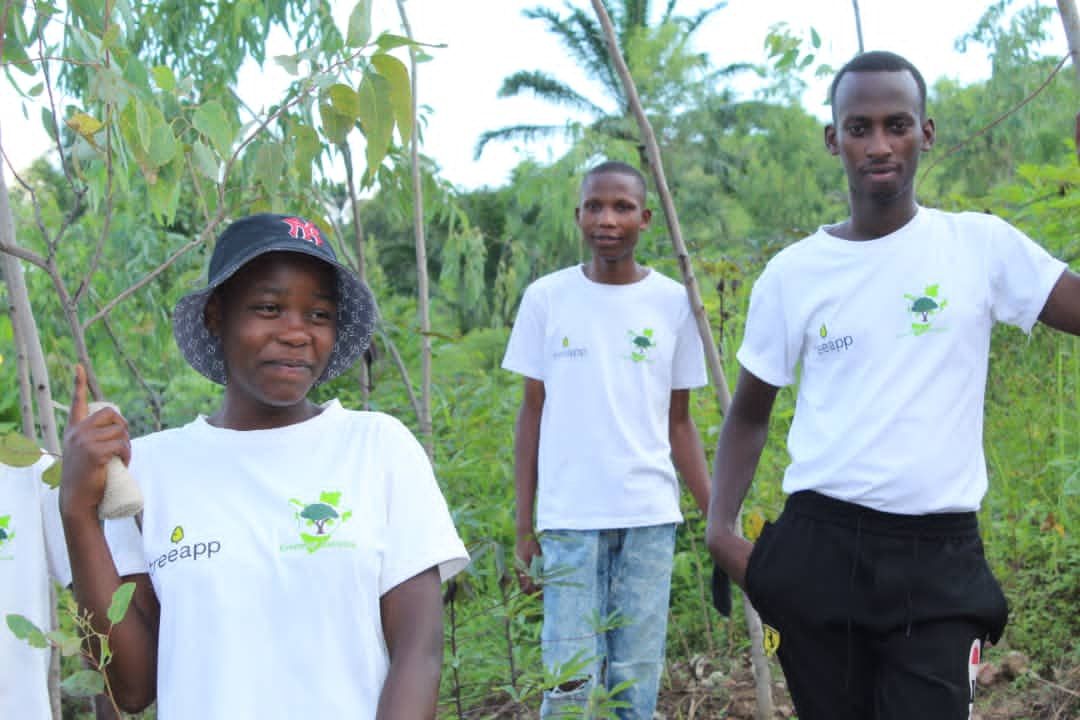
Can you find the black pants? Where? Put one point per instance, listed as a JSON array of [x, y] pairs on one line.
[[879, 616]]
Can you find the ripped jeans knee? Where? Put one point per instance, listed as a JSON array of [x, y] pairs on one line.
[[569, 699]]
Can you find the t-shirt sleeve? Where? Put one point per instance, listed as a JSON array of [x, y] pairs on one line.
[[770, 347], [420, 531], [688, 369], [1022, 274], [524, 352], [125, 544]]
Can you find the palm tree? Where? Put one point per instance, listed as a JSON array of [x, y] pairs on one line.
[[658, 56]]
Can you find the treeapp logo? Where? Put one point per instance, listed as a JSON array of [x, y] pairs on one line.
[[187, 551], [318, 521]]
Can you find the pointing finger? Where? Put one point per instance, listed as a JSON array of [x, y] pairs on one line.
[[79, 409]]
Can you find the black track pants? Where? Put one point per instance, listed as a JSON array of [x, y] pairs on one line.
[[879, 616]]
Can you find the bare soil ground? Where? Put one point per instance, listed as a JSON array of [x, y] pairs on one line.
[[1008, 691]]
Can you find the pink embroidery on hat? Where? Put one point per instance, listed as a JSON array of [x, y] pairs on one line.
[[303, 229]]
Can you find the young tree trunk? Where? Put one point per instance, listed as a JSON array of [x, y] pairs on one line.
[[762, 672], [22, 317], [858, 24], [421, 254], [1070, 18]]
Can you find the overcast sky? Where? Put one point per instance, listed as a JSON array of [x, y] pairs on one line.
[[486, 40]]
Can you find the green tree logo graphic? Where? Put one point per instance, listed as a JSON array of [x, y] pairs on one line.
[[6, 533], [924, 308], [640, 344], [318, 521]]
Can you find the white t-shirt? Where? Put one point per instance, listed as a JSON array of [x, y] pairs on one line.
[[893, 337], [32, 555], [609, 357], [269, 551]]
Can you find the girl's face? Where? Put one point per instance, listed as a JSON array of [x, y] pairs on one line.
[[276, 318]]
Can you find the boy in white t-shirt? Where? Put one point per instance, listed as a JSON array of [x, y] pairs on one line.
[[32, 557], [288, 558], [872, 581], [609, 351]]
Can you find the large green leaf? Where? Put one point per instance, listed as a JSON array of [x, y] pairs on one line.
[[397, 76], [18, 450], [212, 121], [15, 40], [204, 161], [376, 118], [164, 78], [345, 100], [25, 630], [359, 24]]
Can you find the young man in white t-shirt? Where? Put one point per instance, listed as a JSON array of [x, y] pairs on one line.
[[872, 581], [32, 557], [609, 351]]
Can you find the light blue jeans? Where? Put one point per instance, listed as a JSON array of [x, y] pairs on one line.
[[605, 617]]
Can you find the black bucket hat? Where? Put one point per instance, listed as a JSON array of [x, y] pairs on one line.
[[245, 240]]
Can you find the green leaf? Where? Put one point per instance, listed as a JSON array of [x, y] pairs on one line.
[[69, 645], [345, 100], [86, 125], [815, 39], [376, 118], [389, 41], [211, 121], [288, 62], [204, 161], [335, 125], [18, 450], [15, 40], [330, 498], [83, 684], [359, 24], [269, 164], [164, 78], [307, 148], [52, 474], [121, 599], [36, 90], [27, 631], [397, 75]]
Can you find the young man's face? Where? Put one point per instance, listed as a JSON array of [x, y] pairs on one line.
[[878, 134], [276, 319], [612, 215]]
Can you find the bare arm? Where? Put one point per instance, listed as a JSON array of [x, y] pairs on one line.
[[738, 451], [686, 450], [526, 461], [89, 442], [1062, 309], [413, 628]]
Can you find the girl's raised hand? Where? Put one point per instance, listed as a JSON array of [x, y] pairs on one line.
[[89, 442]]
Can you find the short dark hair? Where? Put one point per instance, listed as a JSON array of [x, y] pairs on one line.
[[879, 61], [618, 168]]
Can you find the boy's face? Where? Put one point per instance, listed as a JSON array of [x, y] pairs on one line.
[[612, 215], [879, 133], [276, 318]]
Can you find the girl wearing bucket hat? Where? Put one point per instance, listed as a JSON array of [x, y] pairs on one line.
[[288, 559]]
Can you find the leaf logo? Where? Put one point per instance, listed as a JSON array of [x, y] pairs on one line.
[[177, 534], [565, 341], [823, 332]]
